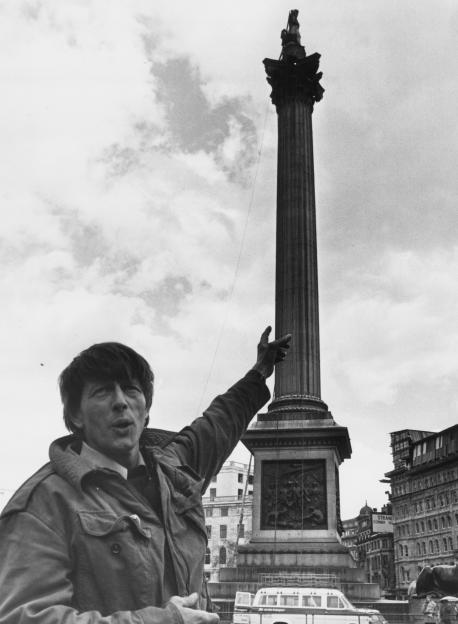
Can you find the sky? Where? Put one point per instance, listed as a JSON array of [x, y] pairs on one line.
[[138, 189]]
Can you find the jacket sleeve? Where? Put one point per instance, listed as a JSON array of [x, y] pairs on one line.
[[209, 440], [36, 585]]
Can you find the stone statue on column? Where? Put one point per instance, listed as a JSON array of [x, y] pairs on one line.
[[291, 39]]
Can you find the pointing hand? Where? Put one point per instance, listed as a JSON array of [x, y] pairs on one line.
[[271, 353]]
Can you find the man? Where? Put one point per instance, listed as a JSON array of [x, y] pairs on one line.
[[430, 610], [112, 530]]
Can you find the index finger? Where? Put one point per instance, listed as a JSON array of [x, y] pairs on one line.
[[283, 341]]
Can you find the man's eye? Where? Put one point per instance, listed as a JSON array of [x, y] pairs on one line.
[[100, 391], [131, 389]]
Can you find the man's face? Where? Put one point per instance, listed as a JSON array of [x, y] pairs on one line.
[[112, 416]]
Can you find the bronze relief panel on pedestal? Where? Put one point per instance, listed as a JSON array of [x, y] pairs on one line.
[[293, 495]]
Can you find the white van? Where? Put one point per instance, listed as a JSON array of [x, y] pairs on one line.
[[300, 605]]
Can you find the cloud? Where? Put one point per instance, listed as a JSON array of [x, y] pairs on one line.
[[393, 337]]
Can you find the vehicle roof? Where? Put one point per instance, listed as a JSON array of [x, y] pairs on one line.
[[292, 589]]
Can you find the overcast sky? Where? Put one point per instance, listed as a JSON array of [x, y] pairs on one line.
[[138, 184]]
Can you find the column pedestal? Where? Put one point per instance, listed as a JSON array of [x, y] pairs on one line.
[[296, 505]]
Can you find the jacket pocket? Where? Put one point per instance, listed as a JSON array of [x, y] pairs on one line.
[[115, 558], [186, 500], [101, 524]]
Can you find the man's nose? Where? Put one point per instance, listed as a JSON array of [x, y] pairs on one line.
[[119, 398]]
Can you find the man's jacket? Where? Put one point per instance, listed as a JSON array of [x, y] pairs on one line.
[[82, 546]]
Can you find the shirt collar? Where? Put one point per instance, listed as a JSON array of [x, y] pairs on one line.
[[96, 459]]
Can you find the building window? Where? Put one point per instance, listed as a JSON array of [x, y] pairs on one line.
[[241, 530], [209, 530], [222, 555], [208, 512], [239, 494], [212, 493], [207, 555], [450, 543], [430, 546], [250, 492], [213, 480], [240, 477], [435, 524], [223, 531], [444, 544], [436, 545], [224, 511], [250, 479], [423, 548]]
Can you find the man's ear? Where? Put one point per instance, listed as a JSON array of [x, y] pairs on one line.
[[77, 421], [146, 420]]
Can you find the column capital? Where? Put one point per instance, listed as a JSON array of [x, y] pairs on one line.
[[294, 78]]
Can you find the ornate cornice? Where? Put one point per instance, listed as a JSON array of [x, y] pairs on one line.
[[298, 437], [294, 79]]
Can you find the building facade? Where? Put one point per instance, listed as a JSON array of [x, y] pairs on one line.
[[369, 538], [228, 505], [424, 496]]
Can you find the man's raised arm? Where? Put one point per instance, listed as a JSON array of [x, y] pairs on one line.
[[209, 440]]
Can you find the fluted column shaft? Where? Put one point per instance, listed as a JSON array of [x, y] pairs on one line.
[[296, 295]]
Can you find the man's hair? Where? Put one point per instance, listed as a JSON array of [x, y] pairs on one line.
[[106, 361]]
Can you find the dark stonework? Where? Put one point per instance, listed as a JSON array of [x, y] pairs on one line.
[[295, 88], [295, 74], [298, 79], [339, 519], [293, 495]]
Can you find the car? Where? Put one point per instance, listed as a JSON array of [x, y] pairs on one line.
[[300, 605]]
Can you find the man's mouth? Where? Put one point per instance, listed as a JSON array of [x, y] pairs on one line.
[[122, 425]]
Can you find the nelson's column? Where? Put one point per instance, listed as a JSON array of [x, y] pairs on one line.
[[297, 445]]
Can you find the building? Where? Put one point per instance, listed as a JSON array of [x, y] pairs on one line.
[[349, 536], [424, 496], [228, 505], [369, 538]]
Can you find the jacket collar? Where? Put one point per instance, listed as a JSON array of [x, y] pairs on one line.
[[66, 460]]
